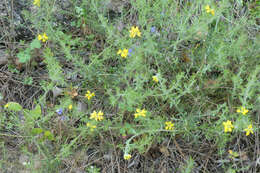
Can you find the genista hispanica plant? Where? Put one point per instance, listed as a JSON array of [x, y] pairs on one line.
[[140, 81]]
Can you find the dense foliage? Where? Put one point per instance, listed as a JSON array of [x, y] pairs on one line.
[[134, 86]]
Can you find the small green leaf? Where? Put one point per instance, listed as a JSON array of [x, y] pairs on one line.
[[122, 131], [28, 118], [36, 112], [13, 106], [36, 131], [35, 44], [132, 131], [24, 56], [48, 135]]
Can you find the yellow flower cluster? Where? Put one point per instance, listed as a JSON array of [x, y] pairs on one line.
[[92, 127], [97, 116], [89, 95], [43, 37], [127, 156], [70, 107], [134, 32], [6, 105], [249, 130], [155, 79], [169, 125], [242, 110], [37, 2], [209, 10], [123, 53], [228, 126], [140, 112]]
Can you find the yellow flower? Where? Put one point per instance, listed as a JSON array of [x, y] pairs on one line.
[[43, 37], [169, 125], [230, 152], [242, 110], [140, 113], [127, 156], [134, 32], [123, 53], [6, 105], [92, 127], [37, 2], [39, 37], [155, 79], [70, 107], [228, 126], [212, 11], [249, 130], [119, 52], [97, 116], [89, 95], [209, 10]]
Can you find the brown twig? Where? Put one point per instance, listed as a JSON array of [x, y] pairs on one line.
[[179, 149]]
